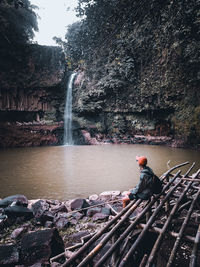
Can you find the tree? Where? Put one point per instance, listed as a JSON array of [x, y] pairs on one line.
[[18, 21]]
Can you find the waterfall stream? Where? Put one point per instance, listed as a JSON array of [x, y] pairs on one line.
[[68, 138]]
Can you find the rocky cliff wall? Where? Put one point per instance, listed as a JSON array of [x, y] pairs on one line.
[[32, 93], [145, 78]]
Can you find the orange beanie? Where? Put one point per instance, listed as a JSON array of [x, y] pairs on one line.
[[142, 160]]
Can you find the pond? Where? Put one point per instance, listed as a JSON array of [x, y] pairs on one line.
[[65, 172]]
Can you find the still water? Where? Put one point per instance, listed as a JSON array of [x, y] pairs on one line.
[[78, 171]]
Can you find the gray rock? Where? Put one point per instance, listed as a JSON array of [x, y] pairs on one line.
[[79, 203], [9, 255], [39, 207], [59, 208], [40, 246], [18, 232], [18, 211], [62, 223], [20, 200], [100, 217], [92, 211]]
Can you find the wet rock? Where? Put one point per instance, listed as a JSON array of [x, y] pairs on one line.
[[59, 208], [100, 217], [40, 246], [18, 211], [20, 200], [39, 207], [78, 204], [9, 255]]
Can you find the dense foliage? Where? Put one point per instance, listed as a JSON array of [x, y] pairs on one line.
[[101, 19], [18, 21]]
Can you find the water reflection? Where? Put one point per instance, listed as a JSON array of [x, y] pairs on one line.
[[77, 171]]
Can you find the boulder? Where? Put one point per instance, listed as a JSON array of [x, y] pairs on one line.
[[59, 208], [39, 207], [46, 216], [9, 255], [40, 246], [78, 204], [18, 211], [20, 200], [92, 211]]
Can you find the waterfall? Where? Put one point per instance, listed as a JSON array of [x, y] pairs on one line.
[[68, 139]]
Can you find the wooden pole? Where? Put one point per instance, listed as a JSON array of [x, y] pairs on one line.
[[135, 222], [159, 239], [96, 236], [109, 235], [193, 259], [148, 225], [171, 233], [178, 239]]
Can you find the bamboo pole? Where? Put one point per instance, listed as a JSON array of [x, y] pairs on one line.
[[144, 260], [178, 240], [193, 259], [101, 244], [190, 179], [96, 236], [174, 168], [135, 222], [148, 225], [159, 239], [171, 233]]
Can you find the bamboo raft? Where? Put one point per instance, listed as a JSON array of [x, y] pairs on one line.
[[127, 235]]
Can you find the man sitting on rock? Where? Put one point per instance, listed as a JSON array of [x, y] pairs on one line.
[[143, 189]]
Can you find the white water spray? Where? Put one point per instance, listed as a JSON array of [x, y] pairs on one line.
[[68, 138]]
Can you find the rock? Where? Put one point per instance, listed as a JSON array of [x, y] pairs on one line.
[[40, 246], [100, 216], [93, 197], [78, 215], [92, 211], [18, 232], [39, 207], [9, 255], [20, 200], [109, 194], [46, 216], [78, 204], [105, 211], [62, 223], [77, 236], [18, 211], [31, 202], [48, 224], [59, 208]]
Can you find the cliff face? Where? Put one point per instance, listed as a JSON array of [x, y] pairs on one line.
[[145, 79], [31, 95]]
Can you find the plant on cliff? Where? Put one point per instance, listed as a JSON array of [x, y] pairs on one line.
[[18, 21]]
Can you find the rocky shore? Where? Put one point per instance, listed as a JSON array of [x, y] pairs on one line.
[[34, 231]]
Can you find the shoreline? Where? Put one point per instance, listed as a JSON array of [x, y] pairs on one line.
[[50, 227]]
